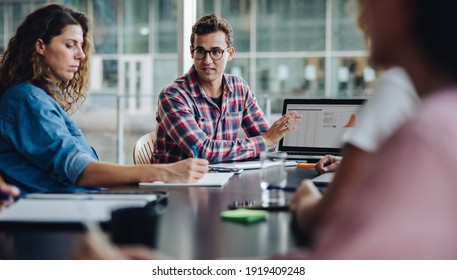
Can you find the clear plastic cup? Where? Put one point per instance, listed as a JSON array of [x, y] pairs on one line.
[[273, 177]]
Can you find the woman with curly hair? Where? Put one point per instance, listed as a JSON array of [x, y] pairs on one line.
[[44, 74]]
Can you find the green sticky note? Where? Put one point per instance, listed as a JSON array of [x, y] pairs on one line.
[[246, 216]]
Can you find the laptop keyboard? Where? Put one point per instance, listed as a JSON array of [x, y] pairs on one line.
[[308, 158], [308, 155]]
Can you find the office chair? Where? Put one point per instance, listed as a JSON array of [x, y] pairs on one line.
[[144, 149]]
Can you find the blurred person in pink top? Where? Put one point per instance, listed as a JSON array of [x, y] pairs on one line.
[[403, 206], [394, 100]]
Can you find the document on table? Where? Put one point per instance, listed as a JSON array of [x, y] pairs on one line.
[[323, 179], [94, 196], [55, 210], [253, 164], [208, 180]]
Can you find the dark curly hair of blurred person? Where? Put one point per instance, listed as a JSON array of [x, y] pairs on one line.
[[432, 21]]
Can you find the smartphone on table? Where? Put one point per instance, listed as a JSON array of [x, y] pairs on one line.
[[259, 205]]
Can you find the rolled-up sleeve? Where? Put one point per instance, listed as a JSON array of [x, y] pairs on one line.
[[49, 139]]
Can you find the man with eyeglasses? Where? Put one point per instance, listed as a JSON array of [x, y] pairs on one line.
[[201, 113]]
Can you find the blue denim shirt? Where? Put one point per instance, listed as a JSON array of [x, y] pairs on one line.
[[41, 149]]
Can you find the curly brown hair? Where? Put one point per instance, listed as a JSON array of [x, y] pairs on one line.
[[21, 63]]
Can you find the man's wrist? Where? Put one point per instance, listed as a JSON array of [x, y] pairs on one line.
[[267, 141]]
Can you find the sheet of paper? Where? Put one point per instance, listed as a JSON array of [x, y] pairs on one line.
[[209, 180], [64, 210], [96, 196], [323, 179], [253, 164]]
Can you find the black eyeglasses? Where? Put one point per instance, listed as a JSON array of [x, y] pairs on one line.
[[215, 54]]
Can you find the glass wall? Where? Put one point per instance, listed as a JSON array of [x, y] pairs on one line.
[[105, 15], [296, 48], [345, 35], [289, 48], [290, 26]]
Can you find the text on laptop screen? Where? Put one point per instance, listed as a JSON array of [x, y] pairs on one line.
[[322, 125]]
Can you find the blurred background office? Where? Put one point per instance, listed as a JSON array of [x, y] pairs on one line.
[[284, 49]]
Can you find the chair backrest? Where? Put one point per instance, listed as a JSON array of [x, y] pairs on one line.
[[144, 149]]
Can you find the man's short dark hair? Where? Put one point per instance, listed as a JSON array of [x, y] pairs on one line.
[[210, 24]]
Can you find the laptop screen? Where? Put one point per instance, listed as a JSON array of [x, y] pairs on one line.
[[323, 124]]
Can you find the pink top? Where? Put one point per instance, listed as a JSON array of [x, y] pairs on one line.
[[406, 205]]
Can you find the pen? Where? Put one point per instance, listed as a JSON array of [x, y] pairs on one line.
[[4, 196], [306, 165], [226, 169], [222, 169], [194, 151], [286, 188]]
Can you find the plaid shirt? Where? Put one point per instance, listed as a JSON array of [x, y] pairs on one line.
[[187, 116]]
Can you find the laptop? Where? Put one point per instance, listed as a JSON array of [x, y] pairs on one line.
[[324, 123]]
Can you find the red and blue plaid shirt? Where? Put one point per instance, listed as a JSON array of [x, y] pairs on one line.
[[187, 116]]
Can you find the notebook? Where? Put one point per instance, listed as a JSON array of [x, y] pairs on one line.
[[74, 209], [66, 210], [208, 180], [323, 124]]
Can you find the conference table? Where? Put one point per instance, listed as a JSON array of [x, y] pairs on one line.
[[189, 228]]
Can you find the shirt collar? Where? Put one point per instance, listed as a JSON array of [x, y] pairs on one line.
[[197, 88]]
